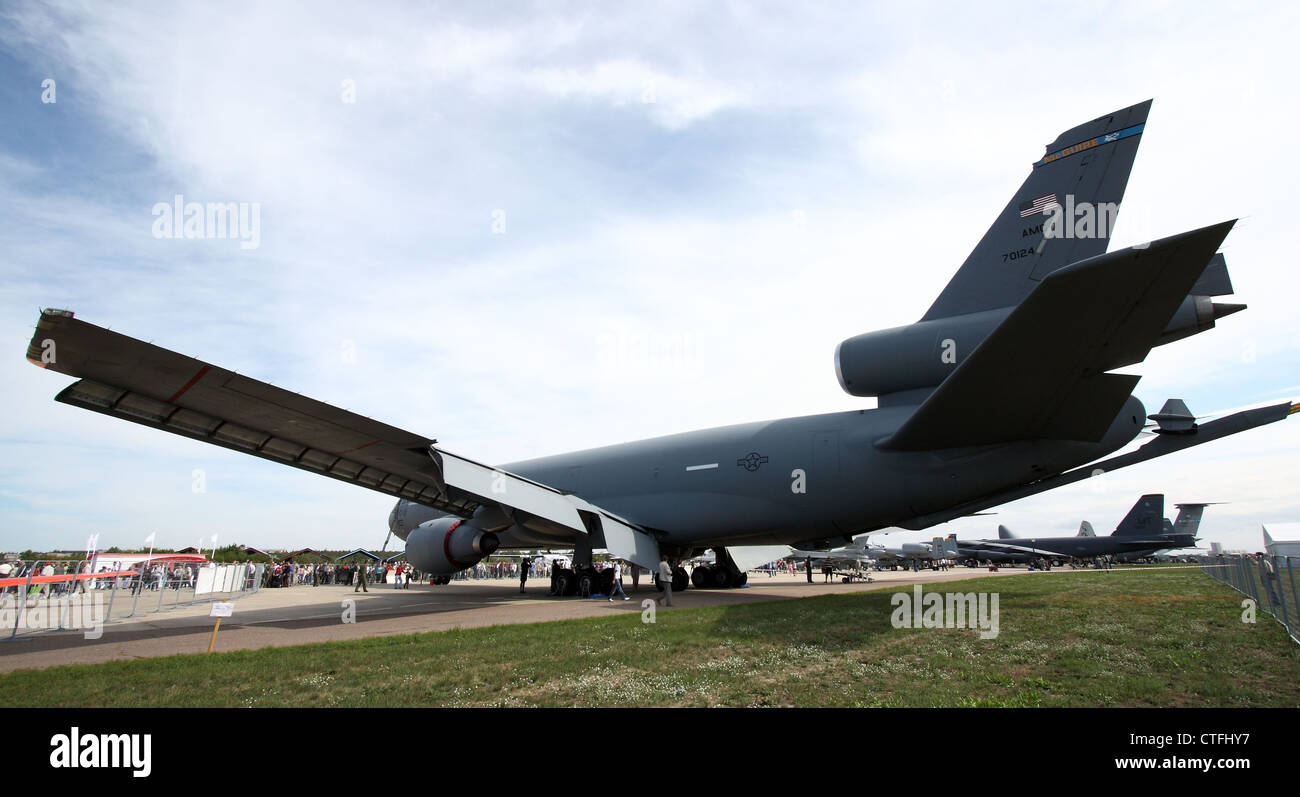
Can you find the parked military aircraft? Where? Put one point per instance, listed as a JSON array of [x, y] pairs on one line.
[[1142, 533], [1085, 530], [860, 552], [1001, 390]]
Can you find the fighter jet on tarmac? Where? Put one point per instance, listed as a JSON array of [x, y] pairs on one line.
[[1003, 388]]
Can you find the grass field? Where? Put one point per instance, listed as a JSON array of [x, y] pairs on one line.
[[1157, 637]]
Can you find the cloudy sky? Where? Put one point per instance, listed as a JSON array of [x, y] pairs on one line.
[[531, 229]]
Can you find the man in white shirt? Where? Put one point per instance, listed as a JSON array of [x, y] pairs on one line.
[[665, 581], [617, 587]]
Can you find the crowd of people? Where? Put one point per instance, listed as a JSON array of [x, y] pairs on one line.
[[160, 575], [291, 574]]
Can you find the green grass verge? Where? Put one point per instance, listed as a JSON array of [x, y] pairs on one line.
[[1151, 638]]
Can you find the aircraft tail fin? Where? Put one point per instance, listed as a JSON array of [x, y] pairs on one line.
[[1005, 533], [1079, 181], [945, 548], [1085, 530], [1189, 518], [1144, 519]]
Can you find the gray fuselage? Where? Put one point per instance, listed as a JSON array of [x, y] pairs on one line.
[[797, 480]]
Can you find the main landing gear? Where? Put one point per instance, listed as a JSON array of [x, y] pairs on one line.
[[722, 574], [584, 581]]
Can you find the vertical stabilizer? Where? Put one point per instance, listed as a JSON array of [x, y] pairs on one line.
[[1079, 182], [1145, 519]]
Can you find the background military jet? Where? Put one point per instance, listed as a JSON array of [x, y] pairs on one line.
[[1085, 530], [1003, 388], [1143, 532], [861, 552]]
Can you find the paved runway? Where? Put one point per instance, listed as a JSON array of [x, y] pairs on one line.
[[304, 615]]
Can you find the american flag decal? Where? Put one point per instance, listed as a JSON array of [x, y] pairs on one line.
[[1039, 205]]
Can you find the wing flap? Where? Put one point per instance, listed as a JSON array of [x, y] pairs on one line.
[[1041, 372], [516, 494], [748, 557]]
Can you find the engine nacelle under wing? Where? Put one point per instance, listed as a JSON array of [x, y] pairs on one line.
[[446, 545]]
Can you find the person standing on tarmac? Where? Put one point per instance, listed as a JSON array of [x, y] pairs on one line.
[[361, 580], [617, 588], [665, 581]]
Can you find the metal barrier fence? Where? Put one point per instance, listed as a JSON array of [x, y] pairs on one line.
[[60, 595], [1268, 580]]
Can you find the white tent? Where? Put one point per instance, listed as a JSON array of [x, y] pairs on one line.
[[1283, 547]]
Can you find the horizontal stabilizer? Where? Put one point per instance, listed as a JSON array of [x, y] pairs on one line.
[[1160, 446], [1040, 374]]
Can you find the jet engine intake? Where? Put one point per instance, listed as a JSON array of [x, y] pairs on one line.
[[446, 545]]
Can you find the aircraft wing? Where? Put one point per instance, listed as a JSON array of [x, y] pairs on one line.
[[146, 384], [1041, 374]]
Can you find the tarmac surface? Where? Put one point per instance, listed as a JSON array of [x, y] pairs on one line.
[[305, 614]]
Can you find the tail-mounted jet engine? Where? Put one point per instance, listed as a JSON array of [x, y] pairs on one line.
[[922, 355]]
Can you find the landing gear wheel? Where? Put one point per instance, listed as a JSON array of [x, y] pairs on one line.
[[564, 582], [680, 579], [700, 576], [721, 578], [741, 580]]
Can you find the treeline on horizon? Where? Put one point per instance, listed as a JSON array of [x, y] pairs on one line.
[[228, 553]]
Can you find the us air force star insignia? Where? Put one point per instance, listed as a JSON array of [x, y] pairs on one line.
[[752, 461]]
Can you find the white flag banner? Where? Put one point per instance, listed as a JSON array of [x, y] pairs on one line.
[[149, 540]]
